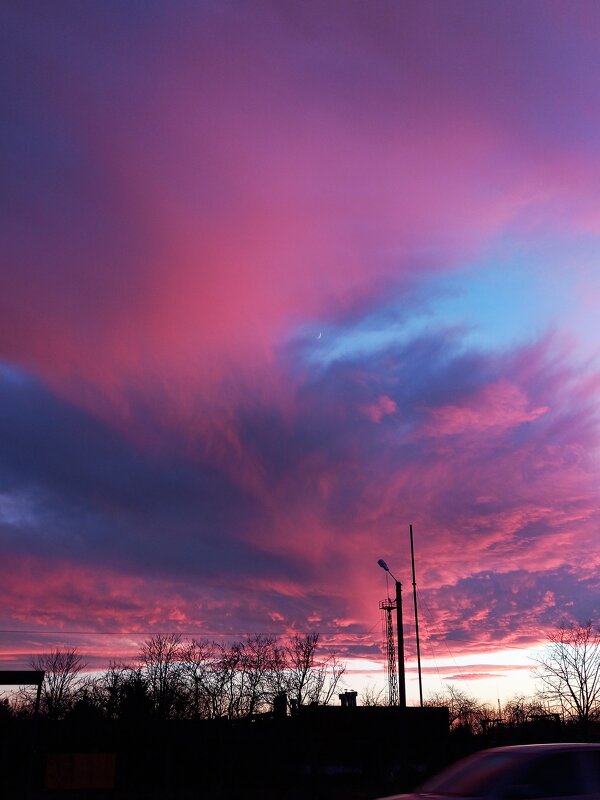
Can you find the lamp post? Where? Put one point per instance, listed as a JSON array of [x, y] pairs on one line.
[[401, 674]]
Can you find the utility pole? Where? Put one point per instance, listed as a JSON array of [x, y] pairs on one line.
[[414, 583], [401, 673]]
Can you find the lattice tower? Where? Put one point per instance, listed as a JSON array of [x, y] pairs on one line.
[[387, 606]]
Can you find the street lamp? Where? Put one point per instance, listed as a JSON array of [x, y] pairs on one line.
[[401, 674]]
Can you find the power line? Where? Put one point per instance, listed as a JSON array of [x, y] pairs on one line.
[[164, 632], [363, 634]]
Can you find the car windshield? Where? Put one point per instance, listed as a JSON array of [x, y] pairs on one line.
[[473, 777]]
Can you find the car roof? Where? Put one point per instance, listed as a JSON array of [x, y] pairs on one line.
[[544, 748]]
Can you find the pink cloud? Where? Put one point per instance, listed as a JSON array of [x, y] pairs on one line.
[[249, 225], [495, 407], [381, 408]]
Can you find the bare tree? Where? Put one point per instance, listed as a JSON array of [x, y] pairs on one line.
[[569, 672], [197, 665], [195, 679], [261, 660], [160, 660], [244, 678], [112, 686], [329, 672], [466, 713], [372, 696], [231, 666], [233, 681], [521, 709], [308, 679], [62, 682]]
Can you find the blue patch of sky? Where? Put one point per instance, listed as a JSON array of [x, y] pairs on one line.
[[12, 375], [491, 306], [498, 305], [16, 510]]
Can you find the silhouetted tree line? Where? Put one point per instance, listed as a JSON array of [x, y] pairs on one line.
[[177, 678], [469, 715], [568, 676]]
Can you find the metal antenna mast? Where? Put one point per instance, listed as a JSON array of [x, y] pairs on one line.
[[387, 606]]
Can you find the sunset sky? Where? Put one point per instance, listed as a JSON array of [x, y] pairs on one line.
[[278, 279]]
